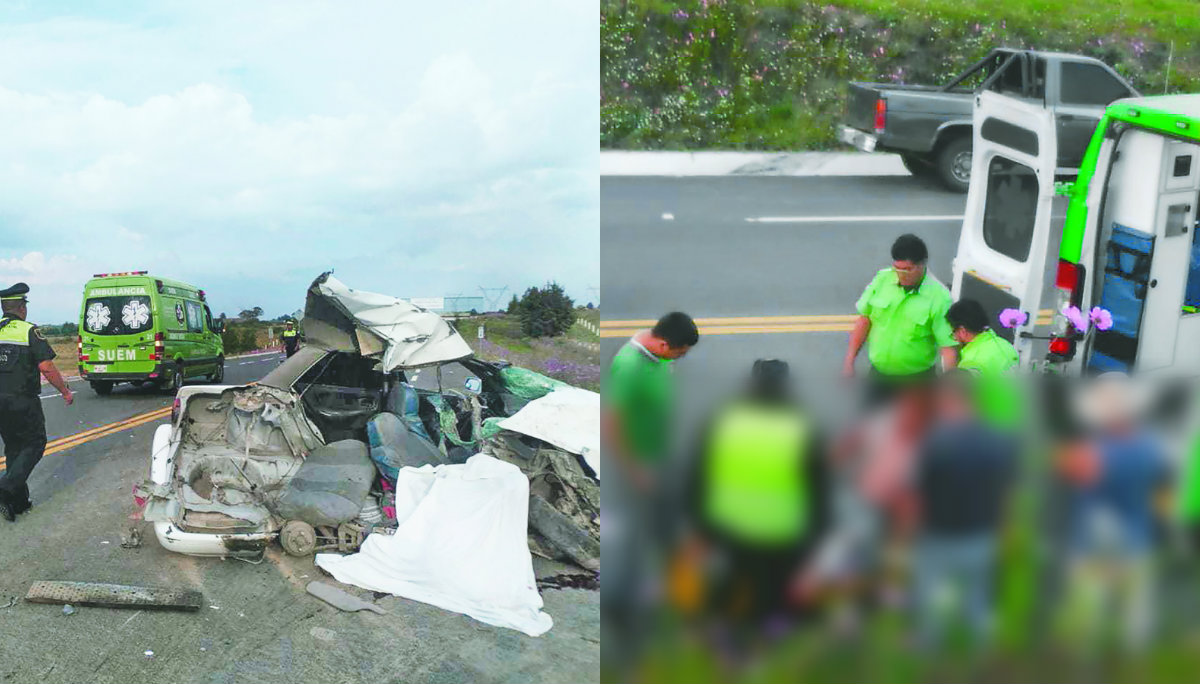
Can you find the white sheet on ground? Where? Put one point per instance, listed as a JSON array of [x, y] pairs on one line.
[[460, 545], [568, 418]]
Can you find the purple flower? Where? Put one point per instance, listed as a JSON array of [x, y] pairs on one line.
[[1075, 316], [1101, 317], [1011, 318]]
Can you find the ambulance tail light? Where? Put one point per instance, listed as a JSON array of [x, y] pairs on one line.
[[79, 347], [1068, 284], [158, 348], [880, 115]]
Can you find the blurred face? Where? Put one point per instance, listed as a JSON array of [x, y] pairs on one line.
[[673, 353], [909, 272], [962, 335]]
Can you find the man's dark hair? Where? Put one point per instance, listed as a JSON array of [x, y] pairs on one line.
[[678, 329], [969, 314], [909, 247]]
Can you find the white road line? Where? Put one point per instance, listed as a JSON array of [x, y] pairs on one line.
[[847, 219]]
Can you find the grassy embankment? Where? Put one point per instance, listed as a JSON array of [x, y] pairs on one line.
[[772, 74]]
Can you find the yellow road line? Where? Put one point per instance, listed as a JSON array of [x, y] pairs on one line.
[[71, 441], [762, 320], [102, 428], [759, 325]]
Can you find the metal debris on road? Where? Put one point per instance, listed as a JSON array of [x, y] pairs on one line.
[[148, 653], [114, 596], [68, 610], [340, 599]]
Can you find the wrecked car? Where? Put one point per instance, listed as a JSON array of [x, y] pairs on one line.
[[305, 455]]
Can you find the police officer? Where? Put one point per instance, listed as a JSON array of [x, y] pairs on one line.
[[291, 339], [23, 353]]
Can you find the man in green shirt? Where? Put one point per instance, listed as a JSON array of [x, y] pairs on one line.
[[637, 407], [902, 319], [992, 359]]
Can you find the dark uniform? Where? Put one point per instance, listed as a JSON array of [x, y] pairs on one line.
[[22, 424], [291, 342]]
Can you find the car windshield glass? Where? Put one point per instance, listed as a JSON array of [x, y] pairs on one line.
[[128, 315]]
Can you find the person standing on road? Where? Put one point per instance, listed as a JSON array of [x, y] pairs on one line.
[[24, 353], [965, 474], [291, 339], [637, 411], [902, 319]]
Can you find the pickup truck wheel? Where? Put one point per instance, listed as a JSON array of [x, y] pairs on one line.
[[917, 165], [954, 164]]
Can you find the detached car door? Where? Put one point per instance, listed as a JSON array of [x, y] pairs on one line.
[[1002, 248]]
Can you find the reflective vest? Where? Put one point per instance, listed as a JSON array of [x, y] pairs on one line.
[[754, 479], [289, 333], [16, 361]]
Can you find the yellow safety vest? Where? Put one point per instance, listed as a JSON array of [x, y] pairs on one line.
[[755, 487]]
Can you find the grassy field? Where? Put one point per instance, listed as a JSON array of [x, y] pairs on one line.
[[573, 358], [772, 74]]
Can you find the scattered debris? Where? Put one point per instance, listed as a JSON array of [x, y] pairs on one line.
[[113, 596], [132, 538], [589, 582], [106, 542], [11, 602], [323, 634], [340, 599], [131, 617], [68, 610], [148, 653]]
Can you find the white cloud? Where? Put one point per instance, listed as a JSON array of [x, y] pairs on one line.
[[256, 142]]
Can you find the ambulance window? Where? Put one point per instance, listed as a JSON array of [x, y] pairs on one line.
[[1010, 208], [194, 318], [1090, 84], [208, 317], [1183, 166], [118, 315]]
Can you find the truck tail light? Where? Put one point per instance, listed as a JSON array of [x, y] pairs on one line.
[[1068, 284], [158, 348], [880, 115]]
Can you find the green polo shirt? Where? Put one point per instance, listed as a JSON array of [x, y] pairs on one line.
[[640, 393], [907, 327], [998, 395], [988, 353]]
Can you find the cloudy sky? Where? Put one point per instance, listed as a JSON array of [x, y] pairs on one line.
[[419, 149]]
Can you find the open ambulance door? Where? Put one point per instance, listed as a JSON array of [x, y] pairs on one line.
[[1001, 257]]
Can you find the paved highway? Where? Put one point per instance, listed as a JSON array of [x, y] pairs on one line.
[[772, 267]]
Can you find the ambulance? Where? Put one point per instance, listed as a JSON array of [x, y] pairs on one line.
[[138, 328], [1128, 242]]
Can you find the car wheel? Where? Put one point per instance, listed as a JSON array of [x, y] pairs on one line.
[[218, 375], [298, 538], [917, 165], [102, 387], [954, 164]]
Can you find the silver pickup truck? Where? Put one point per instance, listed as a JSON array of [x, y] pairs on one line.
[[930, 126]]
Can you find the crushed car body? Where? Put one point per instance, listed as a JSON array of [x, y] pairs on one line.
[[306, 454]]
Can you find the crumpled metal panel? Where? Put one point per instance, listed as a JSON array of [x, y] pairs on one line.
[[336, 315]]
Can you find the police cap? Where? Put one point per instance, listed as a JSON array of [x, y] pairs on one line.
[[15, 293]]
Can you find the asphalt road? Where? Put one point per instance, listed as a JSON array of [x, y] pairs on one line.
[[257, 624], [778, 261]]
